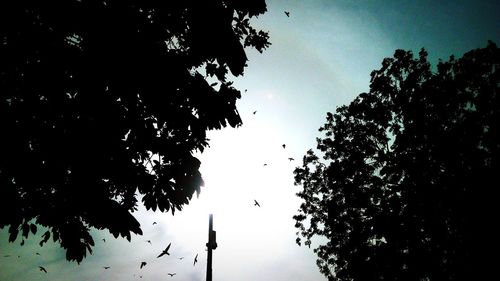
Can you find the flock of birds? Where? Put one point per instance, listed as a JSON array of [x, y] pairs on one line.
[[163, 253], [256, 203], [289, 158], [142, 264], [41, 268]]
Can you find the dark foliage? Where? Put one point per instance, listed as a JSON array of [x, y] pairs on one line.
[[103, 101], [405, 186]]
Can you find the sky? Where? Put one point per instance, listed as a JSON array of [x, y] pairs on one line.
[[320, 58]]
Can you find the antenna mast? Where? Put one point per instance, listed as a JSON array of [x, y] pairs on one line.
[[211, 245]]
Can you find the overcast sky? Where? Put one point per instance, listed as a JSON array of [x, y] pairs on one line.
[[321, 57]]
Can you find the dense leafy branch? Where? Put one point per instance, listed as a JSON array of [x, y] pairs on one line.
[[103, 100], [404, 187]]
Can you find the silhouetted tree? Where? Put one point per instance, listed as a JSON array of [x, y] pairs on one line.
[[402, 183], [103, 101]]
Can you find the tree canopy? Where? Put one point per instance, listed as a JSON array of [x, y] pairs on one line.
[[402, 182], [105, 101]]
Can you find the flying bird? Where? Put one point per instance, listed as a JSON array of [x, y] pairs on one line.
[[37, 253], [154, 223], [265, 164], [143, 264], [149, 241], [256, 203], [284, 145], [103, 240], [195, 260], [42, 269], [291, 159], [287, 14], [181, 258], [254, 112], [171, 274], [106, 267], [165, 251]]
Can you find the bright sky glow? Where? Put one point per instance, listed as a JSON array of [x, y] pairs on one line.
[[321, 57]]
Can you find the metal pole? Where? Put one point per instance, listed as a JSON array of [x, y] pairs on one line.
[[211, 245]]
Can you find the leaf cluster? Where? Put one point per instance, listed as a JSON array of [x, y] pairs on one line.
[[404, 187], [105, 101]]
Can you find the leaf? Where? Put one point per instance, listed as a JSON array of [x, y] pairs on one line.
[[33, 228], [13, 231], [45, 238], [26, 230]]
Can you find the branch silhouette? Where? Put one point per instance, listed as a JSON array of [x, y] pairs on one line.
[[98, 101], [402, 183]]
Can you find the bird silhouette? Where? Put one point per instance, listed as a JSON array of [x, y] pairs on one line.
[[195, 260], [254, 112], [154, 223], [256, 203], [287, 14], [265, 164], [42, 269], [143, 264], [37, 253], [149, 241], [106, 267], [165, 251], [284, 145], [103, 240], [181, 258], [290, 158], [172, 274]]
